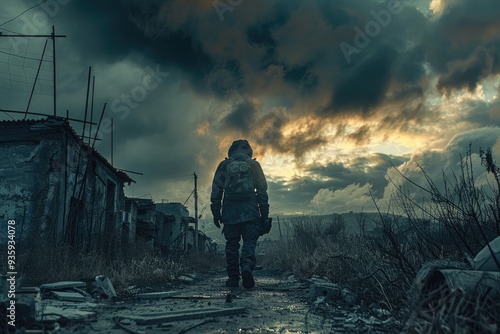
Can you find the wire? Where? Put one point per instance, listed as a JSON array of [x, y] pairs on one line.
[[12, 32], [8, 115], [23, 13], [13, 78], [39, 90], [187, 199], [24, 57]]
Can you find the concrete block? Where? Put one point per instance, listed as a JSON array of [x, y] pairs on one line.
[[55, 313], [63, 285], [103, 284], [28, 304], [68, 296], [328, 290]]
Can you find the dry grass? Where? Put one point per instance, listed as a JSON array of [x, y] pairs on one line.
[[44, 264], [443, 311], [353, 261], [382, 268]]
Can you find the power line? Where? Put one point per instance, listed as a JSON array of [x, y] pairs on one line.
[[24, 57], [12, 32], [187, 199], [23, 13], [38, 92]]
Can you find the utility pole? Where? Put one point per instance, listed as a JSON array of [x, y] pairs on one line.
[[279, 227], [195, 212], [53, 35], [112, 141]]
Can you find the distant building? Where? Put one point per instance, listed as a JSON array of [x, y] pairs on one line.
[[129, 221], [174, 236], [57, 188], [163, 226], [205, 243], [145, 220]]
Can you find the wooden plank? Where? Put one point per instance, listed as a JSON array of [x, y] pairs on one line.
[[180, 315]]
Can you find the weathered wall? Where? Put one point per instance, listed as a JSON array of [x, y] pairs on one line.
[[178, 232], [17, 185], [39, 162], [30, 177], [130, 219]]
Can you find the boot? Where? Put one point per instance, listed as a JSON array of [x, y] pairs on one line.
[[246, 275], [233, 282]]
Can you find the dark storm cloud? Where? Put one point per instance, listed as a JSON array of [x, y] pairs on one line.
[[361, 135], [365, 86], [360, 170], [260, 32], [110, 31], [241, 117], [484, 113], [405, 115], [302, 79], [469, 72], [285, 55], [460, 45], [308, 135], [295, 193], [159, 30], [463, 46]]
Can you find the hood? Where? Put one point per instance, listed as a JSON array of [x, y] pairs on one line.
[[240, 146]]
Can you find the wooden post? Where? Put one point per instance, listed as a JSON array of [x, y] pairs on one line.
[[195, 212]]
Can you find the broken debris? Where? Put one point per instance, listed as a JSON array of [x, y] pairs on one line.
[[187, 314], [68, 296], [157, 295], [485, 259], [104, 288], [63, 285]]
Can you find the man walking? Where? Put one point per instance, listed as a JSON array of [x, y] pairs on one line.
[[239, 201]]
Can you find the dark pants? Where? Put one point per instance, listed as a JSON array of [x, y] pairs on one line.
[[233, 234]]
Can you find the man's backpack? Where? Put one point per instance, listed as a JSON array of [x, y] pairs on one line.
[[239, 184]]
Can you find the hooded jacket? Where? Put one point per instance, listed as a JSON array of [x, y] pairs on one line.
[[234, 212]]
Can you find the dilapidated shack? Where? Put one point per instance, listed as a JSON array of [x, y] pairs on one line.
[[161, 226], [57, 188]]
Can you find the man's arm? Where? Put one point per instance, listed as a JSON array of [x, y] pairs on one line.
[[218, 190], [261, 190]]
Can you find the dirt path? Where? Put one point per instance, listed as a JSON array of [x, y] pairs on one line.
[[275, 305]]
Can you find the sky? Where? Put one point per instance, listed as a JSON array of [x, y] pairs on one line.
[[332, 95]]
